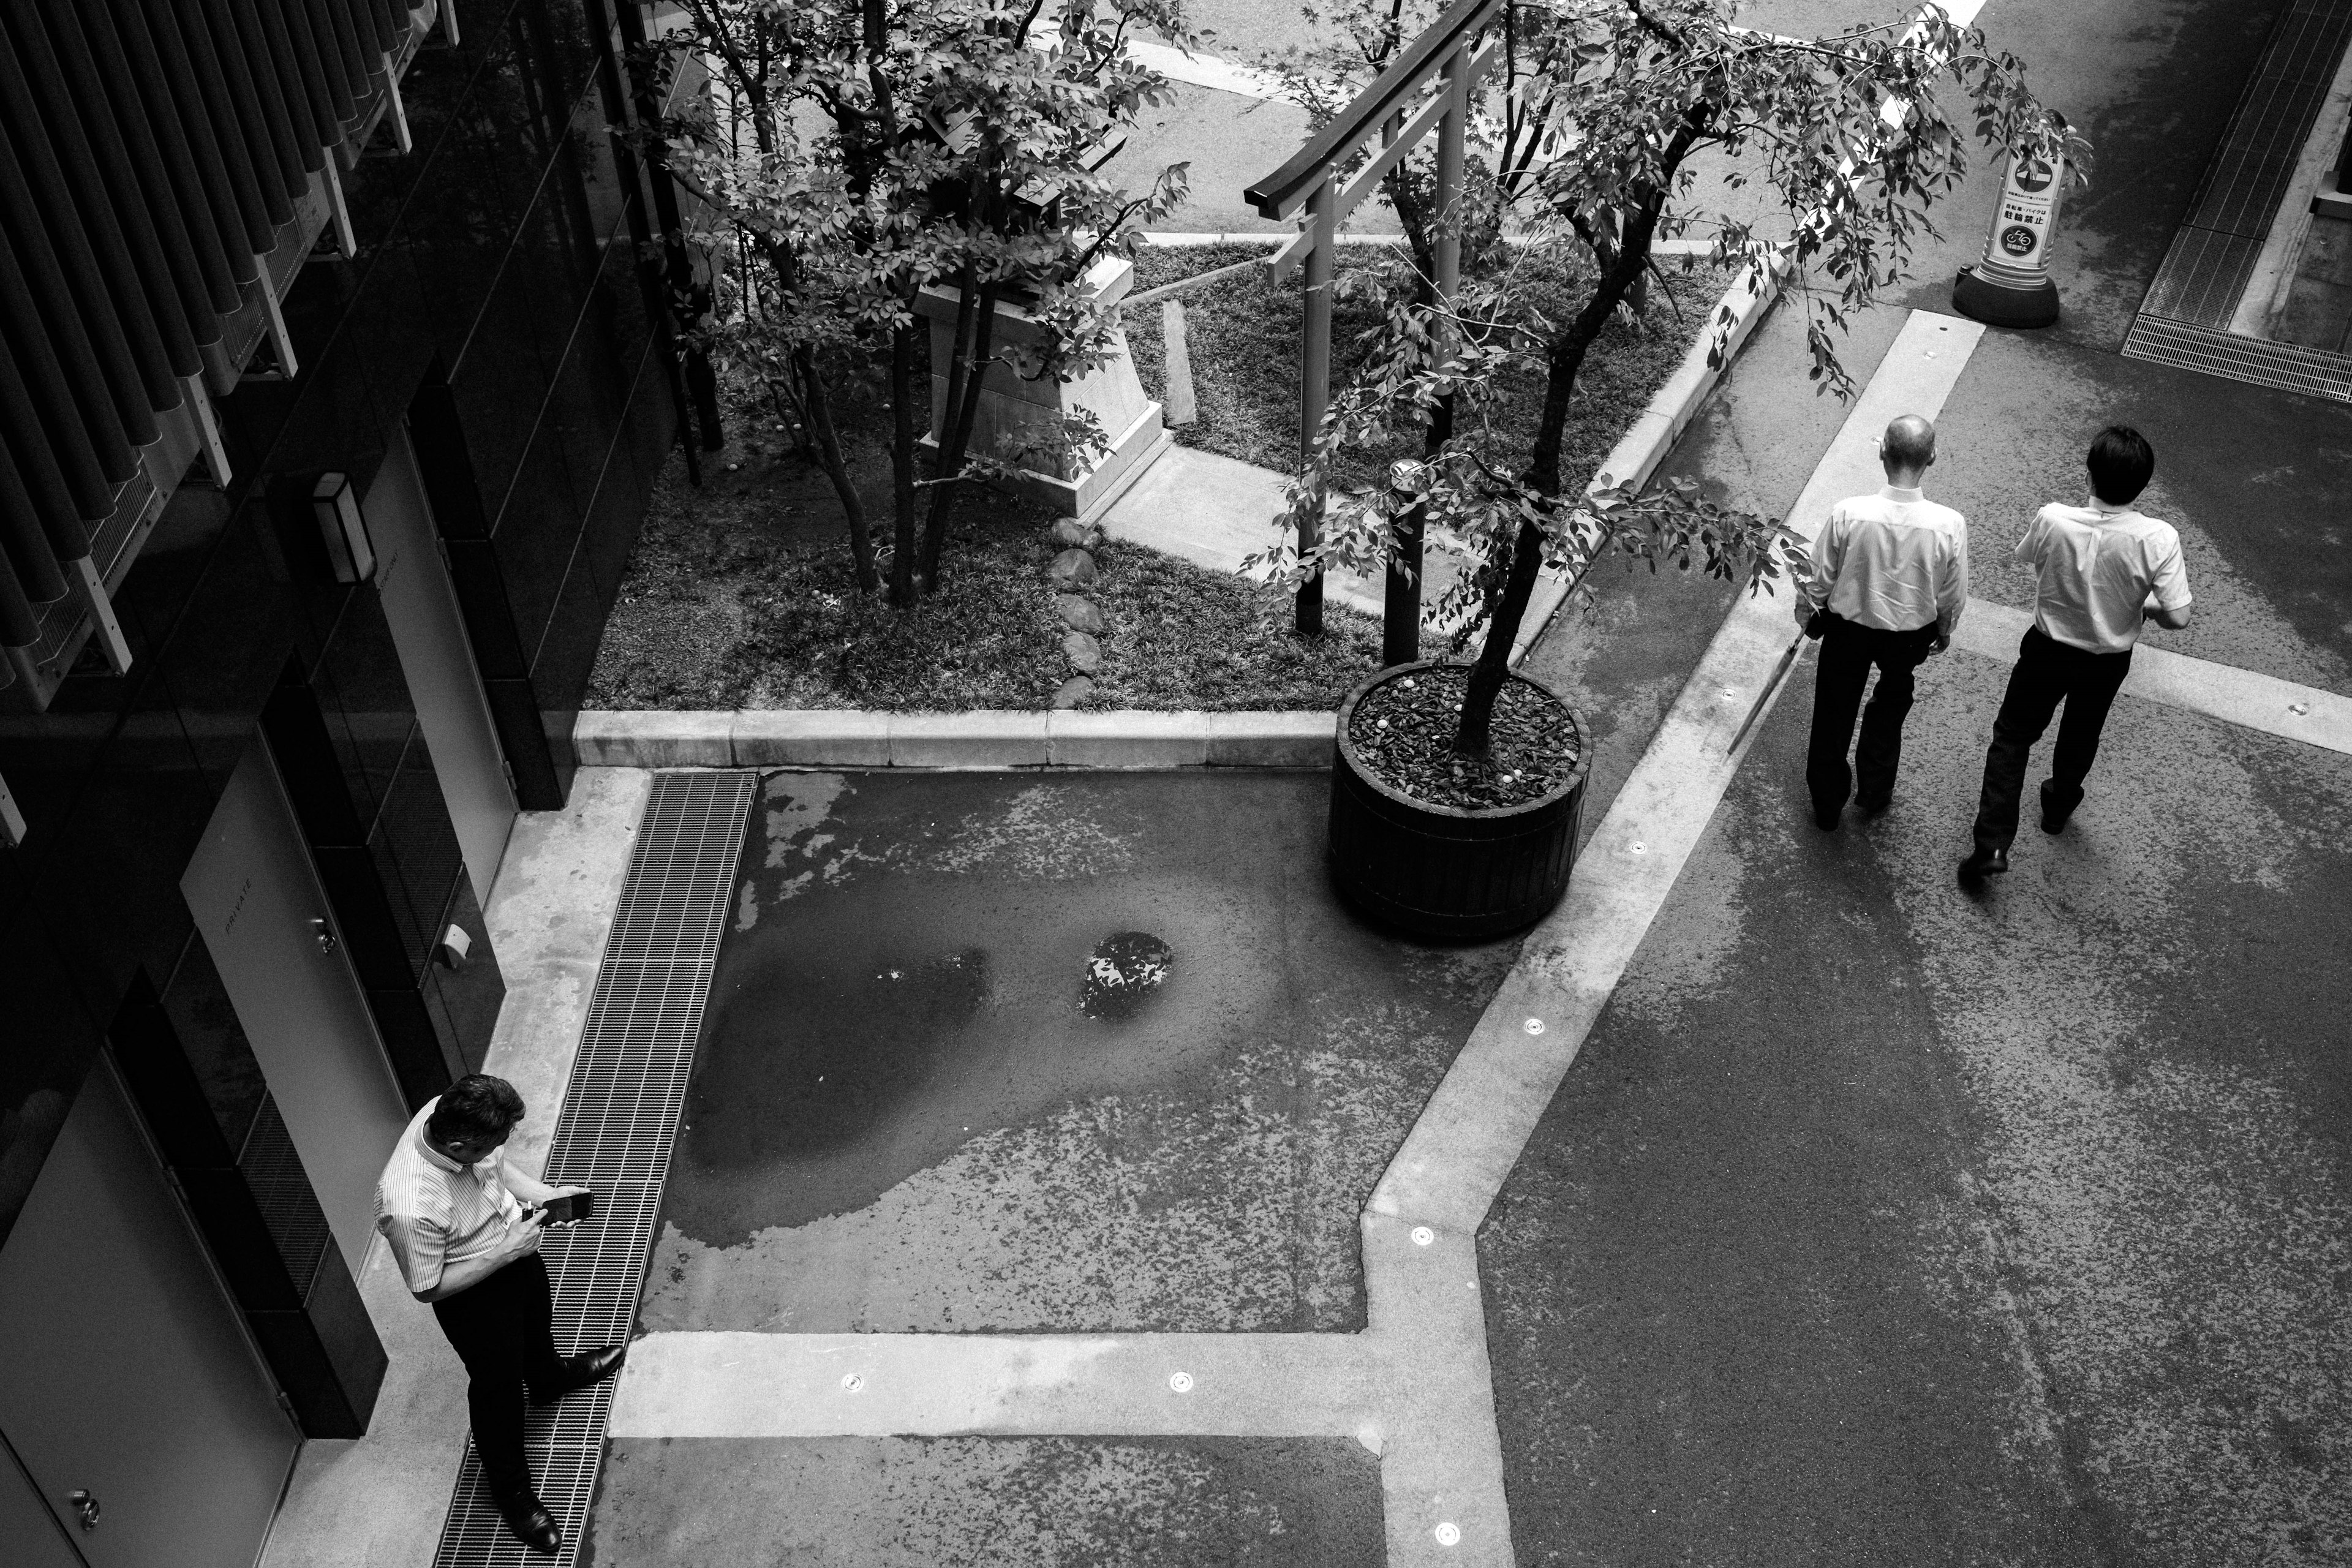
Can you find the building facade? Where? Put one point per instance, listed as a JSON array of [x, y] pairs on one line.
[[332, 385]]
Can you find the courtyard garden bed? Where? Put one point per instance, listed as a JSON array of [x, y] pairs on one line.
[[740, 593]]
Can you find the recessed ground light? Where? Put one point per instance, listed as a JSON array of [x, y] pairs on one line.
[[1181, 1382], [1448, 1533], [1422, 1235]]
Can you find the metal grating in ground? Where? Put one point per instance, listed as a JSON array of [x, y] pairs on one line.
[[2284, 367], [2204, 273], [618, 1123]]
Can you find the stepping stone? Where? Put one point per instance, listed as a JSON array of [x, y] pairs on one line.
[[1072, 569], [1071, 692], [1084, 653], [1079, 613]]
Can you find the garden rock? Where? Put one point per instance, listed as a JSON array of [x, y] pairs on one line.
[[1084, 653], [1079, 613], [1071, 692], [1072, 568], [1069, 533]]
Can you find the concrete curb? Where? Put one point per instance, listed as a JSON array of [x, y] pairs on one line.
[[986, 738]]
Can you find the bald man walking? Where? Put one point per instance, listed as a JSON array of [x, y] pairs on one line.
[[1890, 577]]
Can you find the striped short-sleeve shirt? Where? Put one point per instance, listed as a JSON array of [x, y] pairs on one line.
[[436, 1213]]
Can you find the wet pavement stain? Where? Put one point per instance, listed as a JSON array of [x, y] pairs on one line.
[[987, 1052]]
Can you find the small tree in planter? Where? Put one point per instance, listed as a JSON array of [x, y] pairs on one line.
[[1851, 138], [865, 150]]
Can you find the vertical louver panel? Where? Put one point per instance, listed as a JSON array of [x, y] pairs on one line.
[[84, 319], [236, 103], [96, 169], [221, 163], [152, 155]]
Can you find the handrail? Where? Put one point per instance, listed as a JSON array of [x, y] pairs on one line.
[[1285, 190]]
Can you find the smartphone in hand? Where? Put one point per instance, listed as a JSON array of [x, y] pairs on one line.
[[568, 1209]]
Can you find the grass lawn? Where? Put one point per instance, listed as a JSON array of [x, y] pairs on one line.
[[740, 593]]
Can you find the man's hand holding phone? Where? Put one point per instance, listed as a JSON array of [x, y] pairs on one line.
[[570, 1205]]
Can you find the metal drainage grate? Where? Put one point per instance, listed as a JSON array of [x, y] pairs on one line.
[[2213, 255], [614, 1134], [2284, 367]]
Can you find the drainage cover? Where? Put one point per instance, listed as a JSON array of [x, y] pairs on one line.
[[1122, 972]]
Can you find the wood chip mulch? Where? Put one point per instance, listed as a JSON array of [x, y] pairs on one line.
[[1403, 732]]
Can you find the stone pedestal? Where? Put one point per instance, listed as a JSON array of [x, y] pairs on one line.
[[1110, 393]]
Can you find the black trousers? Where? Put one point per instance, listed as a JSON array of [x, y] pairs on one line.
[[503, 1330], [1848, 650], [2048, 672]]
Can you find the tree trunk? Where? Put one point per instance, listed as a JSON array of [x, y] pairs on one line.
[[1473, 738], [955, 441], [817, 405], [902, 464]]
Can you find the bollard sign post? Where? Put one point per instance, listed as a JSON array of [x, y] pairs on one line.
[[2011, 287]]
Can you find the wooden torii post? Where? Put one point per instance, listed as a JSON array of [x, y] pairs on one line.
[[1400, 111]]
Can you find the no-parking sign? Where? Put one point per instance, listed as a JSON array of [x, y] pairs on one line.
[[2010, 287], [2029, 203]]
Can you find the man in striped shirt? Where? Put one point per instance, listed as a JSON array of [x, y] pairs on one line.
[[465, 1228]]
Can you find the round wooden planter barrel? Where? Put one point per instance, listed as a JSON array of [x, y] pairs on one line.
[[1450, 872]]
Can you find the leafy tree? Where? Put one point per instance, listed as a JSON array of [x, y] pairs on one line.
[[861, 151], [1605, 110]]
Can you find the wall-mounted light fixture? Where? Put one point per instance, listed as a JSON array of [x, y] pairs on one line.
[[342, 528]]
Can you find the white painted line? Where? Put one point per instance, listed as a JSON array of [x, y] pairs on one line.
[[2240, 697], [1444, 1461], [1461, 1150], [730, 1384]]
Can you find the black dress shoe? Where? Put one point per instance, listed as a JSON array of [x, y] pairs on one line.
[[2054, 820], [531, 1524], [1982, 864], [1872, 806], [1827, 821], [579, 1371]]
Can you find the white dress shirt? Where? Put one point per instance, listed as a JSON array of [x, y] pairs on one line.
[[2096, 564], [1896, 561], [436, 1213]]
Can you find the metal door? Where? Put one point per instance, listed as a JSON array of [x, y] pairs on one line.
[[129, 1390], [258, 903], [430, 635], [35, 1538]]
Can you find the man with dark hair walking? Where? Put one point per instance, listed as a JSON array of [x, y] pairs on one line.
[[465, 1228], [1889, 581], [2101, 571]]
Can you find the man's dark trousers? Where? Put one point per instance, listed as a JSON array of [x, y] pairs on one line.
[[2048, 672], [503, 1330], [1848, 650]]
